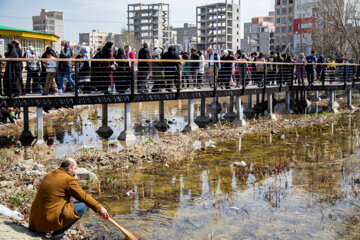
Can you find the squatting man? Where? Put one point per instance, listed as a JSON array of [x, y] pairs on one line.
[[52, 210]]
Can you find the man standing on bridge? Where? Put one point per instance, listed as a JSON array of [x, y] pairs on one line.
[[310, 68], [52, 209]]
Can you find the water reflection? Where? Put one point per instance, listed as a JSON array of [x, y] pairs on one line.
[[314, 199]]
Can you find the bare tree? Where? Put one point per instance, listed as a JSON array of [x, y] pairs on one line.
[[128, 38], [339, 26]]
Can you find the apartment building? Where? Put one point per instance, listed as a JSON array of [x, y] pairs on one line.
[[219, 25], [187, 36], [259, 35], [284, 26], [94, 39], [150, 23], [50, 22]]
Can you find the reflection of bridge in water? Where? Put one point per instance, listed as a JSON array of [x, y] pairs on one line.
[[168, 80]]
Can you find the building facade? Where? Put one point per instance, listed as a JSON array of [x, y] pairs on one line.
[[150, 23], [94, 39], [259, 35], [38, 40], [284, 26], [50, 22], [187, 36], [219, 25]]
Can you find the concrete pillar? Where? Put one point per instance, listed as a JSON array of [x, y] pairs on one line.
[[239, 113], [270, 107], [191, 126], [105, 131], [161, 125], [202, 120], [317, 97], [249, 101], [127, 135], [305, 95], [40, 125], [230, 116], [26, 136], [288, 102], [215, 110], [333, 104], [349, 100]]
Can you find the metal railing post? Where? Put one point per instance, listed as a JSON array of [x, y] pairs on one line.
[[292, 79], [132, 85], [345, 76], [178, 80], [10, 80], [215, 80], [282, 77], [243, 78], [76, 82]]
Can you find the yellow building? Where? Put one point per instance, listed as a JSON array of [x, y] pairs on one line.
[[38, 40]]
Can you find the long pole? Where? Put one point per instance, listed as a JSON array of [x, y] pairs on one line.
[[122, 229]]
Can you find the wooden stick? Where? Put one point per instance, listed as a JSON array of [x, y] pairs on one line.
[[126, 232]]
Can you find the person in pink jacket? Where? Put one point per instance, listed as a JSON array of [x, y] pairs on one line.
[[300, 68]]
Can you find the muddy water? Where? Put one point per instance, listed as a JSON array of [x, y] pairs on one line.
[[211, 198], [76, 134]]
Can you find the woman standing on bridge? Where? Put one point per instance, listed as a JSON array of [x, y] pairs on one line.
[[65, 67], [300, 68], [123, 73], [12, 73], [107, 68]]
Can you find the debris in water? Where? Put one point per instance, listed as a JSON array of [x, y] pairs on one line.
[[131, 192], [282, 136], [240, 164]]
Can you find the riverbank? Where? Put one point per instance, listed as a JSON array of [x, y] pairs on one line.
[[19, 180]]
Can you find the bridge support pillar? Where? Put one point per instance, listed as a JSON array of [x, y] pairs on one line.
[[270, 111], [26, 136], [332, 102], [257, 99], [161, 125], [239, 113], [250, 101], [105, 131], [215, 110], [202, 120], [40, 125], [191, 126], [349, 100], [230, 116], [127, 135], [317, 96], [288, 101]]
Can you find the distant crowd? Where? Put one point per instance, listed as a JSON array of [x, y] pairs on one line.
[[225, 70]]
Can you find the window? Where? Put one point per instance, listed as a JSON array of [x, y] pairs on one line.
[[278, 11], [290, 9], [290, 29], [284, 10], [283, 38], [283, 29], [278, 20], [291, 1], [277, 30], [278, 2], [290, 19], [284, 20], [284, 2]]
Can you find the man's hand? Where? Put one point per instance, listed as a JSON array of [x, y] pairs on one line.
[[103, 213]]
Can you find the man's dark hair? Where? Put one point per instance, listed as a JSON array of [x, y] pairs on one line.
[[312, 51], [272, 53], [193, 50], [66, 163]]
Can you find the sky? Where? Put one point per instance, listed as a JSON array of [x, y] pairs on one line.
[[110, 15]]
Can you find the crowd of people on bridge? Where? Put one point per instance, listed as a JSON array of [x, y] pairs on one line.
[[227, 69]]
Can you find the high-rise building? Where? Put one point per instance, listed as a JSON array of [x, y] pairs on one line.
[[219, 25], [186, 36], [94, 39], [150, 23], [284, 26], [50, 22], [259, 35]]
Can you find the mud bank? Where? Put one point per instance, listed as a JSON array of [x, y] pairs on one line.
[[19, 180]]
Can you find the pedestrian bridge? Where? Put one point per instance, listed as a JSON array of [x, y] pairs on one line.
[[164, 80]]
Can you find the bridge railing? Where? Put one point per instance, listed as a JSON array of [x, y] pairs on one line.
[[78, 77]]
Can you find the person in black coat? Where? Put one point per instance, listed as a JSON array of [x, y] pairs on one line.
[[194, 66], [143, 68], [123, 73], [12, 73], [171, 68]]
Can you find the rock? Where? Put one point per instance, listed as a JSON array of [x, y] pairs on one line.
[[84, 174], [30, 186], [28, 169], [280, 108]]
